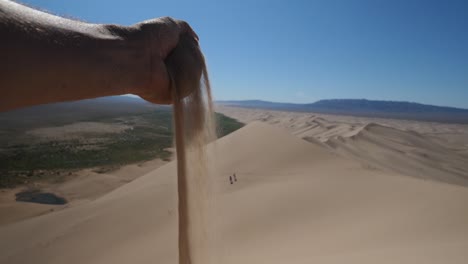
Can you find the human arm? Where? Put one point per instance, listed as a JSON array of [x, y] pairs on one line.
[[46, 58]]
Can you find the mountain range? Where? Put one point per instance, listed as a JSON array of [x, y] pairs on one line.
[[366, 108], [114, 105]]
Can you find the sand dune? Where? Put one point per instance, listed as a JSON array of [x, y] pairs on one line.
[[406, 152], [432, 151], [82, 186], [294, 202]]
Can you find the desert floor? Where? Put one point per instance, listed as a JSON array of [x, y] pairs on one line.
[[310, 189], [81, 186]]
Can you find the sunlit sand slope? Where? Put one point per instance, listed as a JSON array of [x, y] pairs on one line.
[[293, 202]]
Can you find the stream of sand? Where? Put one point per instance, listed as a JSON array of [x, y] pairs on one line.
[[194, 129]]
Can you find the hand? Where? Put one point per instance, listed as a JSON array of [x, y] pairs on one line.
[[67, 60], [159, 37]]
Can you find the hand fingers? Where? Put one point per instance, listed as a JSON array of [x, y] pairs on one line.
[[166, 32], [187, 29]]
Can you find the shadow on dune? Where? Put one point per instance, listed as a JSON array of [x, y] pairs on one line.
[[36, 196]]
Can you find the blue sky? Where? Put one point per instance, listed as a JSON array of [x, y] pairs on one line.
[[303, 51]]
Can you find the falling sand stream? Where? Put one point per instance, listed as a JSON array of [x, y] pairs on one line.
[[194, 128]]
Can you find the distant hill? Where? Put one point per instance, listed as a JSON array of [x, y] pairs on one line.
[[63, 113], [367, 108]]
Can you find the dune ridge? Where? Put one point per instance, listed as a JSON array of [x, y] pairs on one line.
[[430, 151], [406, 152]]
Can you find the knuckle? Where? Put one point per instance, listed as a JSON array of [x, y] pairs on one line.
[[169, 20]]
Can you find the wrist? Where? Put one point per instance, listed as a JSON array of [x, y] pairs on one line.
[[126, 59], [148, 75]]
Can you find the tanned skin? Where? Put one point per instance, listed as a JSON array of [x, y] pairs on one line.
[[45, 58]]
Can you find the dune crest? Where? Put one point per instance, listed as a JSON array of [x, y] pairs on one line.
[[429, 151], [406, 152]]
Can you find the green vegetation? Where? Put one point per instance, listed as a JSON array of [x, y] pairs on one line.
[[226, 125], [149, 137]]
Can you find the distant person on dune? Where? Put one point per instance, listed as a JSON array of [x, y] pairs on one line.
[[46, 58]]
